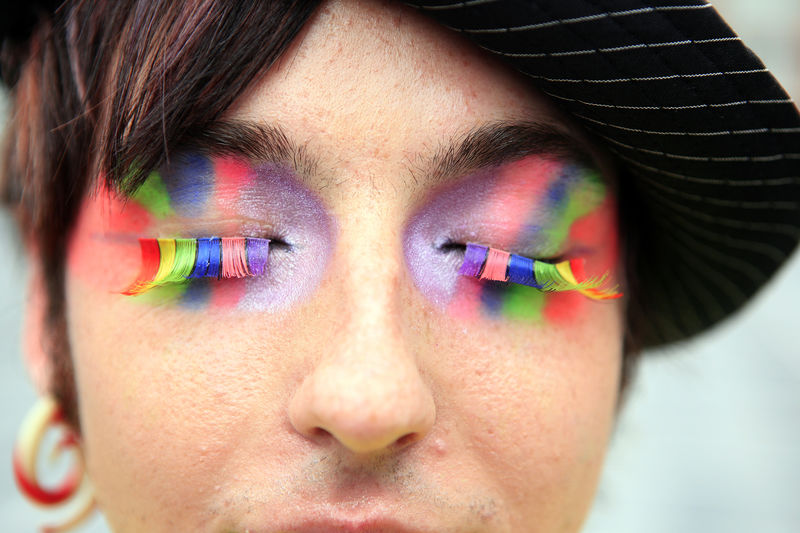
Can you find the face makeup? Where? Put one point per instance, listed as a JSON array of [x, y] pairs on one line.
[[190, 183], [203, 197], [539, 207], [360, 406]]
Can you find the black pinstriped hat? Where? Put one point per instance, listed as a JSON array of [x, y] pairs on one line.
[[709, 141]]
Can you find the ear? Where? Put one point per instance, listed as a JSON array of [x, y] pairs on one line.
[[35, 340]]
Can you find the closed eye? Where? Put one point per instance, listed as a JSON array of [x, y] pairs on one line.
[[461, 248], [491, 264], [175, 261]]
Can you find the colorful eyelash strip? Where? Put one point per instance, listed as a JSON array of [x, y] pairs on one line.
[[487, 263], [167, 261]]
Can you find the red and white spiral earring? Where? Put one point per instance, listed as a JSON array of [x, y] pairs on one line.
[[75, 490]]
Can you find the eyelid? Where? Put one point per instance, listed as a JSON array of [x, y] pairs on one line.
[[170, 261], [486, 263], [201, 227]]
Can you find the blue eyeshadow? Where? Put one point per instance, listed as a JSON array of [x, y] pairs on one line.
[[197, 294], [492, 297]]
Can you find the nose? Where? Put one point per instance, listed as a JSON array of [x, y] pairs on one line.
[[366, 390]]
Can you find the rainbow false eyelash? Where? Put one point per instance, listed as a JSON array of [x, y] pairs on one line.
[[487, 263], [166, 261]]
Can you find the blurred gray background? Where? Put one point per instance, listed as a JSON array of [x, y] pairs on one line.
[[710, 439]]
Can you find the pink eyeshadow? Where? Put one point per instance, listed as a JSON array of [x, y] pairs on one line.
[[226, 294], [232, 176], [518, 191], [466, 301]]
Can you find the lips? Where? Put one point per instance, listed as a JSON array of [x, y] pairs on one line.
[[353, 516], [362, 523], [346, 526]]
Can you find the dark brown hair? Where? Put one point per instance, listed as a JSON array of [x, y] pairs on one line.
[[102, 88], [110, 89]]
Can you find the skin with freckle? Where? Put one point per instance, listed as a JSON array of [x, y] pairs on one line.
[[361, 385]]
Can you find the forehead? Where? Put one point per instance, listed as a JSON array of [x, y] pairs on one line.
[[379, 80]]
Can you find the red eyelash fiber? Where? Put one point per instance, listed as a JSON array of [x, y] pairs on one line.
[[151, 257]]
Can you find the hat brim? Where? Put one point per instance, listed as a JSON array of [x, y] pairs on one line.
[[709, 140]]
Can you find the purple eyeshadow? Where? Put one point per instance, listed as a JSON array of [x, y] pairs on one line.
[[453, 213], [298, 217], [472, 210], [271, 202]]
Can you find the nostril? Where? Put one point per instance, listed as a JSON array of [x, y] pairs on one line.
[[321, 434], [407, 439]]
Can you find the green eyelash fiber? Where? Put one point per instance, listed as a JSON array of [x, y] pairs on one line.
[[547, 276], [183, 264]]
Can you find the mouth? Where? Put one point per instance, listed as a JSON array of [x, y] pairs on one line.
[[359, 501]]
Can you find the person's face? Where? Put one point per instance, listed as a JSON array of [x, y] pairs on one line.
[[361, 385]]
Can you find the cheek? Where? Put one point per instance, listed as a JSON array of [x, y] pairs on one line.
[[169, 402], [535, 406]]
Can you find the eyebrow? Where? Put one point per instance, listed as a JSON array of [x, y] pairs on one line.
[[490, 145], [496, 144], [259, 142]]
